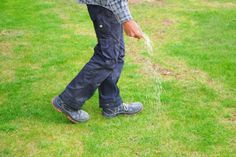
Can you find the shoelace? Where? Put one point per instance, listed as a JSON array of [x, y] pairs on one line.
[[125, 106]]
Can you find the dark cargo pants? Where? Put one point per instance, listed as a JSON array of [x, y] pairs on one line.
[[104, 68]]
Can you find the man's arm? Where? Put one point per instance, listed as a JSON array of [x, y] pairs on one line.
[[121, 10]]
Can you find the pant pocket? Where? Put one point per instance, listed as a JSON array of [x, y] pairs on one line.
[[102, 26], [109, 51]]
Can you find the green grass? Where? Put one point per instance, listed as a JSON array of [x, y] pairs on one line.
[[44, 44]]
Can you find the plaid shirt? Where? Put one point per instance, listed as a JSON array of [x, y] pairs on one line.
[[118, 7]]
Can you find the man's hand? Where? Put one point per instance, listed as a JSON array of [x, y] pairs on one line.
[[132, 29]]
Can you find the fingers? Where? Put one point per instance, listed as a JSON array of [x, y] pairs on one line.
[[135, 35], [138, 35]]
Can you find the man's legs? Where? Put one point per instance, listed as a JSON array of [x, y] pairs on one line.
[[108, 90], [103, 63]]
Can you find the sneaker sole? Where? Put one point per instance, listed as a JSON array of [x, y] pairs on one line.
[[59, 110]]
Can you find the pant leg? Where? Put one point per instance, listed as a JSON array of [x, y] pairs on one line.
[[102, 63], [108, 90]]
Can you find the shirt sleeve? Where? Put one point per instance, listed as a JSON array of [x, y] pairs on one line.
[[121, 10]]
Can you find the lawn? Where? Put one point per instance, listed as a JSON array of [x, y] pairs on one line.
[[44, 43]]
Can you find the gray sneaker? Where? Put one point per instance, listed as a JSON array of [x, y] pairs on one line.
[[127, 109], [73, 115]]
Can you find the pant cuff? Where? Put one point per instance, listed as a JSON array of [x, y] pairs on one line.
[[110, 104], [69, 102]]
